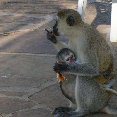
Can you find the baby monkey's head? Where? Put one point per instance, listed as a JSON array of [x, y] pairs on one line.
[[66, 55]]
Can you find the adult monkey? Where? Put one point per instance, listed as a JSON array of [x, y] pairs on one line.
[[95, 58]]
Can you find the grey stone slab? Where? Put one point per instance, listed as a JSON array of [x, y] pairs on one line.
[[30, 42], [33, 113], [24, 66], [23, 74], [9, 105], [11, 22], [50, 96]]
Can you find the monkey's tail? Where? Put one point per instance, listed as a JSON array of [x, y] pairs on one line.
[[112, 91], [110, 110]]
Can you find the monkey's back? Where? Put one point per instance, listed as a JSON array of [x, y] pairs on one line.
[[101, 47]]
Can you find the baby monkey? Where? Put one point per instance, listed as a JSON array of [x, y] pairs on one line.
[[67, 56]]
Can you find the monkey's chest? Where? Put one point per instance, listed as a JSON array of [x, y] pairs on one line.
[[81, 49]]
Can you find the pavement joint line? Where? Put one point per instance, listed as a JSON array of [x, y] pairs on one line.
[[42, 106], [31, 93], [18, 89], [15, 97], [27, 54]]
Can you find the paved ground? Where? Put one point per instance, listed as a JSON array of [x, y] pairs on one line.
[[28, 86]]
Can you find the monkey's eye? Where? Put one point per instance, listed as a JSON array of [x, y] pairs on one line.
[[72, 56], [70, 20], [68, 59]]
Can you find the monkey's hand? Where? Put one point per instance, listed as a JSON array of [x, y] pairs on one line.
[[58, 67], [55, 29], [51, 36]]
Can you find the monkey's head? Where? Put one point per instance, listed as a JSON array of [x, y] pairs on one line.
[[66, 55], [68, 21]]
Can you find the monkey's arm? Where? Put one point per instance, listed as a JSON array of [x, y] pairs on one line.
[[77, 69], [54, 39]]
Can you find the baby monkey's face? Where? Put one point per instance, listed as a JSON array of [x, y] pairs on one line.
[[66, 56], [70, 58]]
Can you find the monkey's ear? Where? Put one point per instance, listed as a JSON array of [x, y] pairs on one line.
[[70, 20]]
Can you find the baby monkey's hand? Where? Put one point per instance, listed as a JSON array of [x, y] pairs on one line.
[[58, 67]]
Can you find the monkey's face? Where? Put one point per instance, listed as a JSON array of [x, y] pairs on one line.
[[70, 58], [66, 56], [68, 21]]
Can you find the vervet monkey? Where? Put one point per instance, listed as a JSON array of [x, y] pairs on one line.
[[95, 57]]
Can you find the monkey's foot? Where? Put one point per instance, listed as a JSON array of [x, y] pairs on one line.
[[76, 114], [67, 112], [61, 112]]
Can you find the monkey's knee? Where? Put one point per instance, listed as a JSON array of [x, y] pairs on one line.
[[110, 110], [71, 105]]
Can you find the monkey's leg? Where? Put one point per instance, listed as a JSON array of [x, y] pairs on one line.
[[109, 89], [110, 110], [62, 112], [71, 105]]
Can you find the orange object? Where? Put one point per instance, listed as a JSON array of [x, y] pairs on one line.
[[60, 77], [105, 79]]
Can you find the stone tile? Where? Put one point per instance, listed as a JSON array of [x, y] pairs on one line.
[[9, 105], [33, 113], [27, 82], [50, 96], [24, 70], [33, 73], [30, 42]]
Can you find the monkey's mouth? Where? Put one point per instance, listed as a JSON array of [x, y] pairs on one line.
[[72, 61], [55, 29]]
